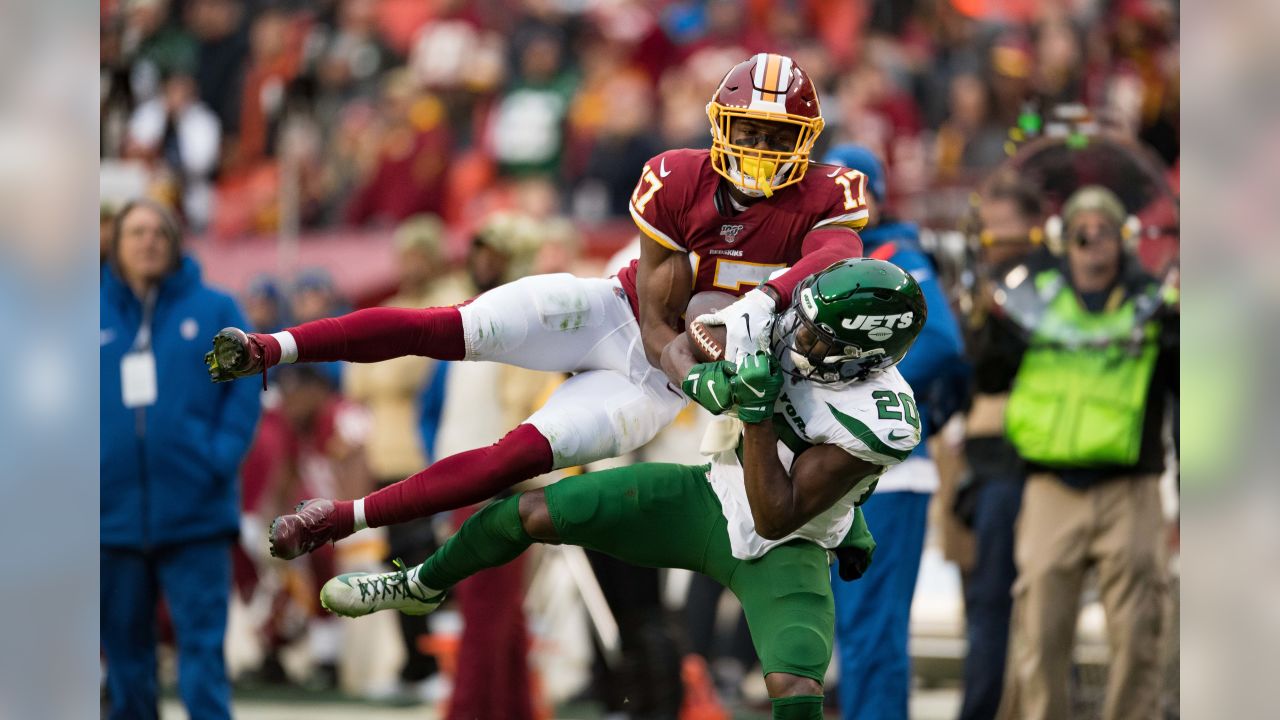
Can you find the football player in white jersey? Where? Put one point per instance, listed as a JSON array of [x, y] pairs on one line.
[[823, 412]]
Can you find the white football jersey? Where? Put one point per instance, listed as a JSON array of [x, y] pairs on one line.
[[875, 420]]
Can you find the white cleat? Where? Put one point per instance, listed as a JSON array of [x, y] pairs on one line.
[[360, 593]]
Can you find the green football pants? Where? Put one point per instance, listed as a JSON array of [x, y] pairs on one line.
[[663, 515]]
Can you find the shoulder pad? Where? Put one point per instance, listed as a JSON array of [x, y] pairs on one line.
[[662, 191], [840, 194], [875, 421]]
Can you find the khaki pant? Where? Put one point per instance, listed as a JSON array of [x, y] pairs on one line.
[[956, 539], [1118, 528]]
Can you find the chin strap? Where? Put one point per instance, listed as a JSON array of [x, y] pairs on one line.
[[766, 186], [764, 182]]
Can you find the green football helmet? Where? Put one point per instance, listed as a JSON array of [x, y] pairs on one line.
[[857, 316]]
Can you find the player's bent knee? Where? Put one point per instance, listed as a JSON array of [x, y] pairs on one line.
[[796, 651], [797, 707], [535, 517], [794, 697], [781, 684], [800, 645]]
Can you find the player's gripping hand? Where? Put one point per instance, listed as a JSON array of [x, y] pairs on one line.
[[748, 324], [757, 382], [710, 385], [235, 354]]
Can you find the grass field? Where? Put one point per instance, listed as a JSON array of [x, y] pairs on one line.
[[933, 704]]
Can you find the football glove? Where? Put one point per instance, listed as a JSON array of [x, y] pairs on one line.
[[757, 382], [856, 549], [748, 324], [709, 385]]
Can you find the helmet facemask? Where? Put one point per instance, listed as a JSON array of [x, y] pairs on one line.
[[755, 171], [819, 356]]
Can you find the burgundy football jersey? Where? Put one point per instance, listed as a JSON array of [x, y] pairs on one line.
[[732, 251]]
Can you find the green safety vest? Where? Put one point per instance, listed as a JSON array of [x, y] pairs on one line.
[[1080, 395]]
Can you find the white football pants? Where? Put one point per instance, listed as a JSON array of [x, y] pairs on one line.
[[616, 401]]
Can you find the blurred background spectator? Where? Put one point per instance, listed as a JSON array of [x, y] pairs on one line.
[[1087, 412], [403, 396], [1010, 217], [321, 452], [408, 176], [419, 106], [315, 296], [179, 136], [308, 145], [221, 45], [483, 401], [155, 43], [265, 306], [269, 64], [873, 614], [526, 129], [172, 444]]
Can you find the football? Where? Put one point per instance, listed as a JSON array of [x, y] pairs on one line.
[[707, 340]]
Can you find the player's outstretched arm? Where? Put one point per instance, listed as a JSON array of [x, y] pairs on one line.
[[664, 283]]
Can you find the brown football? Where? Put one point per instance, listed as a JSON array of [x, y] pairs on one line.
[[707, 340]]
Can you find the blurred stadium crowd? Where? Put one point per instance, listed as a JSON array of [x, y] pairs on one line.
[[366, 112], [458, 145]]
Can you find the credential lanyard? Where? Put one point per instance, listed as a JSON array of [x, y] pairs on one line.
[[142, 341], [138, 381]]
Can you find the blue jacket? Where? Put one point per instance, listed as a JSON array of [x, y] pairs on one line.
[[935, 365], [170, 472], [431, 400]]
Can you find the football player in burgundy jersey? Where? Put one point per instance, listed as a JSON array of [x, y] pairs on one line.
[[730, 218]]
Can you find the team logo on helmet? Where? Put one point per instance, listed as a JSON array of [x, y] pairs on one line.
[[879, 327], [806, 302]]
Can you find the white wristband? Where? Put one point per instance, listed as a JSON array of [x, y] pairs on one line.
[[288, 347], [358, 513]]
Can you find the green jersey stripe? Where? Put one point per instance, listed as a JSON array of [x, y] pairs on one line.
[[789, 436], [868, 438]]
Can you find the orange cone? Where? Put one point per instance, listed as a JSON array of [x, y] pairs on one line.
[[700, 699]]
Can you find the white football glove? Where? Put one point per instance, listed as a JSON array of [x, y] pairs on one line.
[[748, 324]]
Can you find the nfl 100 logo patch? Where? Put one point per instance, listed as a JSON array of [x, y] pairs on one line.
[[730, 232]]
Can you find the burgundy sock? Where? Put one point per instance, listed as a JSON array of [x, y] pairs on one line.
[[462, 479], [378, 334], [270, 349], [344, 517]]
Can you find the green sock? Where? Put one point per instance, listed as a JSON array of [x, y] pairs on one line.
[[491, 537], [797, 707]]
